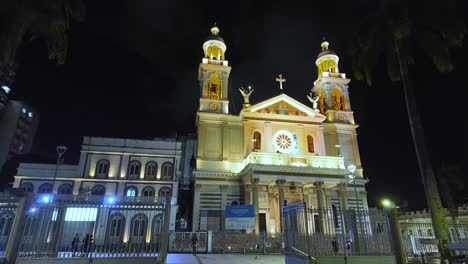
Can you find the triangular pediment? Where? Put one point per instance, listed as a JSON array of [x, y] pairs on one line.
[[283, 106]]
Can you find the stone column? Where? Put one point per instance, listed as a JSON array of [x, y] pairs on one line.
[[255, 203], [320, 204], [281, 184], [222, 220], [196, 208], [306, 196], [343, 196]]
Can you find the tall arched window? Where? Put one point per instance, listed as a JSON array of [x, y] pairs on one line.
[[134, 170], [167, 170], [6, 222], [65, 188], [257, 140], [164, 192], [131, 191], [151, 171], [156, 228], [116, 227], [420, 232], [138, 228], [98, 190], [45, 188], [27, 187], [148, 191], [102, 169], [310, 144]]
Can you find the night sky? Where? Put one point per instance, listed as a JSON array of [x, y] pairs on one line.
[[132, 72]]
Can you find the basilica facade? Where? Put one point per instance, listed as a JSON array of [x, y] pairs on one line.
[[274, 152]]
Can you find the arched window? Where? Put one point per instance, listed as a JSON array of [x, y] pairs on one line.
[[257, 140], [138, 228], [65, 188], [27, 187], [131, 191], [310, 144], [102, 169], [429, 232], [45, 188], [167, 170], [6, 222], [148, 191], [164, 192], [116, 227], [151, 171], [98, 190], [156, 228], [134, 170]]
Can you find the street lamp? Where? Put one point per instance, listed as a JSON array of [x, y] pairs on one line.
[[60, 151], [352, 169]]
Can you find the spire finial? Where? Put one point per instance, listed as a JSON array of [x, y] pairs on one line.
[[214, 30], [324, 44]]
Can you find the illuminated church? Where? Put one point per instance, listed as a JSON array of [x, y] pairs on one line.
[[277, 151]]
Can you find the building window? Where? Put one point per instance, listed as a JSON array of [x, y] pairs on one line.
[[167, 170], [131, 191], [420, 232], [257, 140], [148, 191], [310, 144], [164, 192], [27, 187], [117, 225], [102, 169], [151, 171], [45, 188], [429, 232], [139, 225], [6, 222], [134, 170], [98, 190], [65, 188]]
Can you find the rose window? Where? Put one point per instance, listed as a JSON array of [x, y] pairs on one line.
[[284, 141]]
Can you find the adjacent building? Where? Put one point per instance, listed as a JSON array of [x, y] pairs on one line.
[[18, 125]]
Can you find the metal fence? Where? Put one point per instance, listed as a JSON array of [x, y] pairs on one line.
[[65, 226], [238, 242], [181, 242], [419, 239], [332, 232], [8, 207]]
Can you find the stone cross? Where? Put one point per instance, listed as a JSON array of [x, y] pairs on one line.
[[281, 80]]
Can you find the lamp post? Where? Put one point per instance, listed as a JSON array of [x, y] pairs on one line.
[[60, 151], [352, 169], [396, 230]]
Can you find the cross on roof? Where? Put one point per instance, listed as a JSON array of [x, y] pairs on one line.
[[281, 80]]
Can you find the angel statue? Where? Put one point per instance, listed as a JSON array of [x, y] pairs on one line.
[[246, 94], [313, 101]]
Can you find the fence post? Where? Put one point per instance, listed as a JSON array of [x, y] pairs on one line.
[[165, 232], [397, 236], [16, 233]]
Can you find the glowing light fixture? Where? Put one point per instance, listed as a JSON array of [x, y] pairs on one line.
[[110, 200], [32, 210], [387, 203], [6, 89], [45, 199]]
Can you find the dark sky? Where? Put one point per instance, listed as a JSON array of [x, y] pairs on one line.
[[132, 72]]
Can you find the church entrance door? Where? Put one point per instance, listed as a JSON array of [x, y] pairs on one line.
[[262, 222]]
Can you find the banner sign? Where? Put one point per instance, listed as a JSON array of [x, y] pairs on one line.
[[458, 246], [240, 217]]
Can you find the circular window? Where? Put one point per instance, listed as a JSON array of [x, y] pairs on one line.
[[284, 141]]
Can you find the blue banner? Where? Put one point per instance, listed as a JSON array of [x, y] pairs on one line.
[[240, 217], [239, 211]]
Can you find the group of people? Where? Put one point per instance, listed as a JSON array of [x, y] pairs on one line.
[[86, 247]]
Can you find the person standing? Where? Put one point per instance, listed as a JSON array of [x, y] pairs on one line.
[[194, 244], [74, 245]]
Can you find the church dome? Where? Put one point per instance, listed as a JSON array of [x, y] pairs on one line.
[[214, 47], [325, 50]]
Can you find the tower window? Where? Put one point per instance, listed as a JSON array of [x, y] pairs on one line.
[[102, 169], [134, 170]]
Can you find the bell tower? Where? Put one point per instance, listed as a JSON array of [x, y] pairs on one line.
[[331, 89], [213, 75]]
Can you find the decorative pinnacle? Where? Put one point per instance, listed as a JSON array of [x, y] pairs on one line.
[[214, 30], [324, 44]]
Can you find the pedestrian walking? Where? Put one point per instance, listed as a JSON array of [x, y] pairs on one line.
[[194, 244]]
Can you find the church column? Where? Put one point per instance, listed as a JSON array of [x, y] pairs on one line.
[[223, 189], [255, 203], [196, 208], [343, 196], [281, 184], [320, 204], [306, 196]]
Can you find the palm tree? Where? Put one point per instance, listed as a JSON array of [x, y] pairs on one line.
[[397, 31], [23, 20]]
